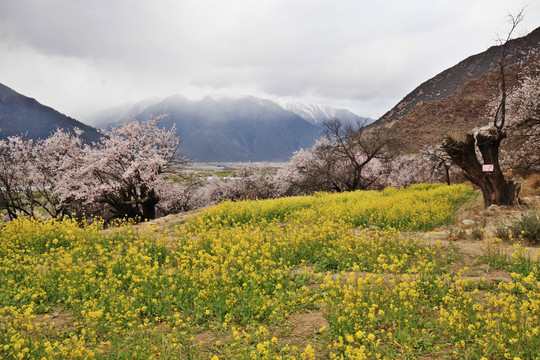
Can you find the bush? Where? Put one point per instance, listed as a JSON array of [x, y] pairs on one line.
[[477, 233], [502, 232], [527, 227]]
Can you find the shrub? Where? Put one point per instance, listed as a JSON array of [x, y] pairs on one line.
[[527, 226], [477, 233], [502, 232]]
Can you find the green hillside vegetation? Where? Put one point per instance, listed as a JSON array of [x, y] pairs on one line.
[[351, 275]]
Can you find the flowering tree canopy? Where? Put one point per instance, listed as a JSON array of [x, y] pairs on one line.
[[29, 173], [123, 172], [346, 158], [523, 117], [120, 176], [431, 165], [16, 180]]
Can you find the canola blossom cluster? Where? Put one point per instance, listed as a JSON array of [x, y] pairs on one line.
[[418, 207], [230, 282]]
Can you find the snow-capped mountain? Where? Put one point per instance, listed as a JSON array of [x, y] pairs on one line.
[[224, 129], [317, 114], [243, 128]]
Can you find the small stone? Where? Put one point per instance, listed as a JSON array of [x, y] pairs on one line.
[[468, 222], [493, 207]]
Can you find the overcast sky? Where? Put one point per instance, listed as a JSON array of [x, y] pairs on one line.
[[81, 56]]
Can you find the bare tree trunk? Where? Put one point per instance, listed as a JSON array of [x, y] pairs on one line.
[[495, 187], [447, 174], [149, 206]]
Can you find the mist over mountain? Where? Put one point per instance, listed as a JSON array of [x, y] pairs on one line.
[[253, 129], [120, 113], [231, 129], [224, 129], [211, 129], [21, 115]]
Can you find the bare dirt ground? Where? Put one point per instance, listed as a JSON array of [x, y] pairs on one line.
[[305, 329], [475, 223], [169, 221]]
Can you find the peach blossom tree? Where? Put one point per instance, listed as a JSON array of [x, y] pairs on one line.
[[122, 175]]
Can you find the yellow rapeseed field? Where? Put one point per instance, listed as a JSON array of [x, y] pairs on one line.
[[233, 282]]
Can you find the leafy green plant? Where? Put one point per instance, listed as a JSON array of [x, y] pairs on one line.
[[477, 233], [502, 232], [527, 226]]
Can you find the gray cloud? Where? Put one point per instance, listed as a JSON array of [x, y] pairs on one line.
[[82, 56]]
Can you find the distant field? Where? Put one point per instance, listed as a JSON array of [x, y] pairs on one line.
[[211, 168], [315, 277], [223, 170], [234, 165]]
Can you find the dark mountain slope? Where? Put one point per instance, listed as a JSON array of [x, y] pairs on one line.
[[23, 115]]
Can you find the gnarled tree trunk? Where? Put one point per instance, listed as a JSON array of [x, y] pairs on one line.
[[496, 188]]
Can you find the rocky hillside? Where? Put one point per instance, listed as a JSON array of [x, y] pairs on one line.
[[455, 101], [23, 115]]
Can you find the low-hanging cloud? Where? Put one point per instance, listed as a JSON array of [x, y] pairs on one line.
[[80, 57]]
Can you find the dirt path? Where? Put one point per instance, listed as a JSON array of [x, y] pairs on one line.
[[169, 221]]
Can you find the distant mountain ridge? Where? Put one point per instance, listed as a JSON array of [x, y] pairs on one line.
[[211, 129], [21, 115], [455, 101], [228, 129]]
